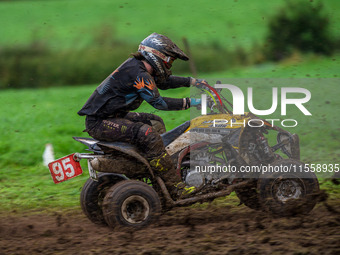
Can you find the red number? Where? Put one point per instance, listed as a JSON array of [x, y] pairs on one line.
[[58, 171], [67, 165]]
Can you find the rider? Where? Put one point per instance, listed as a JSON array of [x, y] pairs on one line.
[[108, 110]]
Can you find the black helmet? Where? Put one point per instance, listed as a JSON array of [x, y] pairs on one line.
[[160, 52]]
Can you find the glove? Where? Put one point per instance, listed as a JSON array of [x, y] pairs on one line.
[[195, 101], [199, 83]]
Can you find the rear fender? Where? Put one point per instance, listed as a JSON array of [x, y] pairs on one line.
[[129, 150], [112, 177]]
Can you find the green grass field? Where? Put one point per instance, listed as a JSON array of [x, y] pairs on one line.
[[78, 23], [33, 117]]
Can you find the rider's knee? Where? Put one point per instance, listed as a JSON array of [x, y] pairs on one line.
[[150, 141]]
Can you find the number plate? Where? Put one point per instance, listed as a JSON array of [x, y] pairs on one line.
[[64, 168]]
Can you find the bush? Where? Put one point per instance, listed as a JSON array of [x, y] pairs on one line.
[[300, 25]]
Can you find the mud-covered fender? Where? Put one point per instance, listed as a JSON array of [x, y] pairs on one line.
[[129, 150]]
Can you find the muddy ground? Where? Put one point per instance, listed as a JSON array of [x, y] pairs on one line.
[[214, 230]]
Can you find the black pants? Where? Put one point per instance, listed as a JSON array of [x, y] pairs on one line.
[[141, 129]]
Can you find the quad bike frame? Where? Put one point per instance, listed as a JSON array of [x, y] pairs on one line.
[[120, 165], [169, 201]]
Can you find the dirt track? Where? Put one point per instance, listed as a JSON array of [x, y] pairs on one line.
[[216, 230]]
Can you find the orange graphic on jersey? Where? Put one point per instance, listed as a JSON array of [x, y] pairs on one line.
[[139, 83], [115, 71]]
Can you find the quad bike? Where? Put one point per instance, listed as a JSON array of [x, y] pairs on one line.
[[124, 190]]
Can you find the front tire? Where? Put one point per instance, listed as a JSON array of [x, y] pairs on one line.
[[249, 196], [288, 193], [131, 204]]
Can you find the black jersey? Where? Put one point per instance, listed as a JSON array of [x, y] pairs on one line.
[[125, 89]]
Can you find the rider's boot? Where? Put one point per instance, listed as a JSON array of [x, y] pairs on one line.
[[161, 162], [164, 166]]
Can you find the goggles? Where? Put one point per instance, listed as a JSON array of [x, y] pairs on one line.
[[166, 59], [169, 64]]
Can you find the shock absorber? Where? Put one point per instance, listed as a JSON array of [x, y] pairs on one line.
[[267, 151]]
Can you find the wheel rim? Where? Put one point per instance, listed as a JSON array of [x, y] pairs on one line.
[[135, 209], [287, 189]]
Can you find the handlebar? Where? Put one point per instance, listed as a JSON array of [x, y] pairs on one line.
[[214, 99]]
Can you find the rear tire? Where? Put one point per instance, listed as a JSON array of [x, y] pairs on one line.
[[288, 193], [131, 204], [92, 195]]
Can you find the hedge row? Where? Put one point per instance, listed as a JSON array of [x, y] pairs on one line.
[[38, 66]]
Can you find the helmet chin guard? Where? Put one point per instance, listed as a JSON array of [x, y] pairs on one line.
[[160, 52]]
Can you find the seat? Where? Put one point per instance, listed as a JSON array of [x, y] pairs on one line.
[[89, 142], [171, 135]]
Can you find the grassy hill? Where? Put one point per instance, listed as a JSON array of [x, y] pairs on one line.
[[53, 43], [80, 23]]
